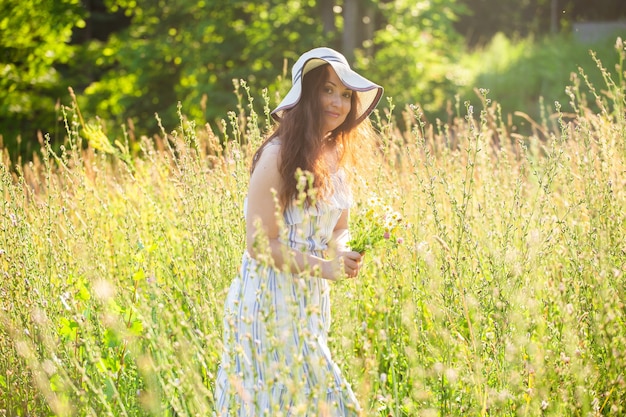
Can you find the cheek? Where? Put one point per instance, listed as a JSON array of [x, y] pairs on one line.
[[347, 105]]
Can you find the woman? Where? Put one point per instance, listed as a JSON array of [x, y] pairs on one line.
[[276, 360]]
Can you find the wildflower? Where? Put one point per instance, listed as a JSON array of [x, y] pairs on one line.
[[64, 300], [374, 224]]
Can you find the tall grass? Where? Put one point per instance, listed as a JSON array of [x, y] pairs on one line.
[[506, 297]]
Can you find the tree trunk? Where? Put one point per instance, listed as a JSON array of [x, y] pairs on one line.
[[351, 20], [369, 25], [327, 15], [554, 16]]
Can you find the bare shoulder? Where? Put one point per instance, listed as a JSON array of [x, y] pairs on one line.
[[266, 175], [273, 146], [269, 155]]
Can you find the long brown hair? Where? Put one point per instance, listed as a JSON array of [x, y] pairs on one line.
[[303, 140]]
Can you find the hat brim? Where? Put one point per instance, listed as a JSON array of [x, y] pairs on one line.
[[369, 93]]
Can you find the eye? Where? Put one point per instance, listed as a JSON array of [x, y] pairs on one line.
[[347, 94]]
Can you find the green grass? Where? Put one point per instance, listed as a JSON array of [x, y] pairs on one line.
[[506, 297], [519, 73]]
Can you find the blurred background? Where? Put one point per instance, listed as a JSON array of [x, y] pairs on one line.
[[128, 60]]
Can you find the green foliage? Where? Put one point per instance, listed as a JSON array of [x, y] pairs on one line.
[[130, 59], [190, 51], [414, 50], [523, 74], [34, 36]]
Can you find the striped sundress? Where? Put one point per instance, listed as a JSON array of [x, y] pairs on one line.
[[276, 360]]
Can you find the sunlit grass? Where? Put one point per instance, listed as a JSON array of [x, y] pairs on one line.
[[506, 296]]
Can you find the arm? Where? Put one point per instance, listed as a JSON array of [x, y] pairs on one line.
[[339, 243], [261, 219], [341, 234]]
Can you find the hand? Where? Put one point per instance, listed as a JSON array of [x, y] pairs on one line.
[[346, 264]]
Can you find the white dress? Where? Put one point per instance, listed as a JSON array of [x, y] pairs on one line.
[[276, 360]]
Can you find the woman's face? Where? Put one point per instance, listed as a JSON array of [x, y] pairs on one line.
[[336, 101]]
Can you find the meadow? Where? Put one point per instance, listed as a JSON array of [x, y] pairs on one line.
[[505, 297]]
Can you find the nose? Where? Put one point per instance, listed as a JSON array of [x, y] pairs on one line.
[[336, 99]]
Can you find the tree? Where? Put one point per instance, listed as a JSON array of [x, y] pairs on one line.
[[523, 18], [350, 34], [327, 15], [412, 49], [34, 43], [190, 51]]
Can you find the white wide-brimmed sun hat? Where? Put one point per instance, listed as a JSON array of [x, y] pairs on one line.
[[369, 93]]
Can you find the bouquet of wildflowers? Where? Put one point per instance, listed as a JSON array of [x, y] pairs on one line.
[[374, 224]]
